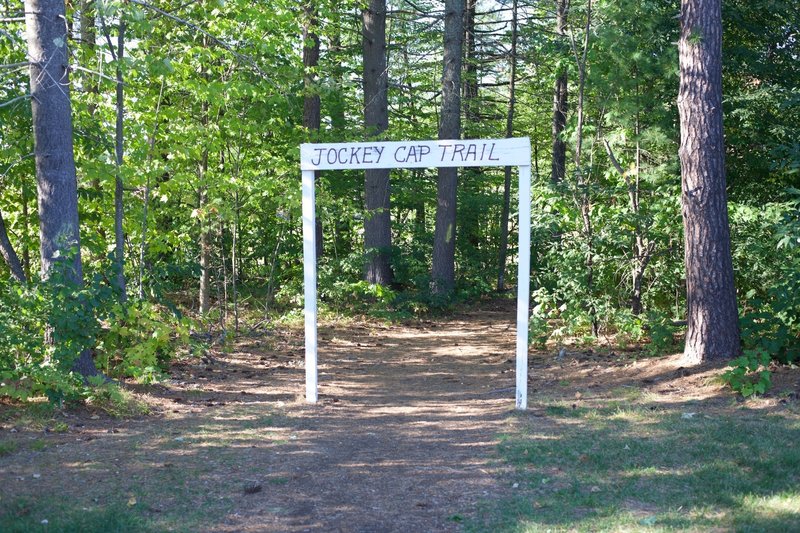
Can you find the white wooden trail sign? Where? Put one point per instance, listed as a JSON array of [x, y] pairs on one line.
[[417, 154]]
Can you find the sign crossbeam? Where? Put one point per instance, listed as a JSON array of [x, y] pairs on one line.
[[416, 154]]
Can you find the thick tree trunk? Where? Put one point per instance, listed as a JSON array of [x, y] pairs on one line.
[[444, 241], [52, 131], [512, 100], [57, 185], [560, 103], [377, 222], [311, 100], [713, 328], [7, 250]]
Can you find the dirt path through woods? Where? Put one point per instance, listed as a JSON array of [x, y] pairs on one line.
[[402, 439]]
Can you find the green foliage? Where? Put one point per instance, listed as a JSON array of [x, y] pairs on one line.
[[45, 326], [770, 282], [140, 340], [749, 374], [114, 400], [662, 335], [30, 366], [211, 147]]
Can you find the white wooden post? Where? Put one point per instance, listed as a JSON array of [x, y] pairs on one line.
[[417, 154], [523, 285], [310, 283]]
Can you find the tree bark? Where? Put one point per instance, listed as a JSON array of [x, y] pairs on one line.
[[26, 238], [205, 244], [470, 98], [151, 144], [119, 210], [584, 197], [88, 41], [56, 180], [7, 250], [560, 103], [377, 221], [512, 100], [444, 240], [311, 100], [712, 315]]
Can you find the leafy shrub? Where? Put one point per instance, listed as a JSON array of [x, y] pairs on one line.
[[749, 374], [46, 325], [770, 321], [140, 340], [30, 366], [662, 335], [114, 400]]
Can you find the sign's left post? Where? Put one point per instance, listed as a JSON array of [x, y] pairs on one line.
[[310, 279]]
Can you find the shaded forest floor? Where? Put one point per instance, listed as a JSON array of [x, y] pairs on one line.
[[414, 432]]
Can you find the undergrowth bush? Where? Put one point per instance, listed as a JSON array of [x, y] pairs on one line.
[[140, 339], [749, 374], [114, 400], [46, 325]]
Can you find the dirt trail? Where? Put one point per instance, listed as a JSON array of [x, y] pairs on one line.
[[402, 439]]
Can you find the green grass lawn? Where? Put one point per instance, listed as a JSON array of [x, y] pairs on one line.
[[634, 466]]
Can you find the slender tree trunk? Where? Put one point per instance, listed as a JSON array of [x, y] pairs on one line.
[[337, 101], [712, 315], [88, 41], [151, 144], [377, 221], [470, 99], [512, 100], [234, 266], [420, 228], [205, 241], [8, 253], [202, 200], [560, 103], [444, 240], [223, 260], [581, 63], [119, 212], [584, 197], [311, 99], [642, 249], [26, 238], [57, 185]]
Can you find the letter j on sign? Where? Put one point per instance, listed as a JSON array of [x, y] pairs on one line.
[[417, 154]]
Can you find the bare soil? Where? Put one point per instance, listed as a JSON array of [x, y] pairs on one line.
[[403, 439]]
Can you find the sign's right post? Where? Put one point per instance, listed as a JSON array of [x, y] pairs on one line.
[[523, 285]]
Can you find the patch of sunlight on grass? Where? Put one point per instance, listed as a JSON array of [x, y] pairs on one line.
[[630, 394], [786, 502], [632, 415]]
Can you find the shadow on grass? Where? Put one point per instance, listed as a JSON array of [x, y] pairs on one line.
[[28, 515]]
